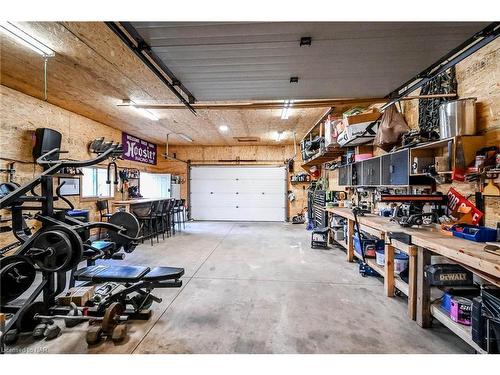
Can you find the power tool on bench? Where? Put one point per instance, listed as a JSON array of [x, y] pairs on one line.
[[410, 210]]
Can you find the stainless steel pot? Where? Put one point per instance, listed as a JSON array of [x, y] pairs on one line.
[[457, 117]]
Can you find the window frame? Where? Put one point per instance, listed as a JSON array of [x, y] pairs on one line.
[[96, 185], [141, 183]]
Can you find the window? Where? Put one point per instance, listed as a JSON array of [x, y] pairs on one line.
[[155, 185], [94, 183]]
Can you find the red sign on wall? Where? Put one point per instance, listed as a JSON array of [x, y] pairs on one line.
[[462, 208]]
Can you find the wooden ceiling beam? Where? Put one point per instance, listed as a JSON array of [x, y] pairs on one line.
[[260, 104]]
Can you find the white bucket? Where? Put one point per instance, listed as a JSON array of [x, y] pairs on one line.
[[400, 260], [380, 257]]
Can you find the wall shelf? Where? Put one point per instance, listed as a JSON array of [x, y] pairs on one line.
[[324, 157]]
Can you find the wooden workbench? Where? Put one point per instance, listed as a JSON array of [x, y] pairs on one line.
[[425, 241], [127, 204], [468, 253]]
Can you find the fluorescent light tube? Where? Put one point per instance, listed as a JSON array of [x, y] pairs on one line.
[[184, 136], [146, 113], [285, 112], [25, 39], [223, 128], [150, 115]]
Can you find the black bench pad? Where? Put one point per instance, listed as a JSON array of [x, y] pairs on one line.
[[164, 273], [104, 273], [102, 245]]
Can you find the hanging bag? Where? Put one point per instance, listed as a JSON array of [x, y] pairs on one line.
[[392, 127]]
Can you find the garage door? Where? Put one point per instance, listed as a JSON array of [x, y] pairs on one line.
[[238, 193]]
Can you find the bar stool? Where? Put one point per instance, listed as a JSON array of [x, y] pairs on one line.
[[165, 221], [146, 217], [178, 210], [158, 220], [171, 216], [183, 212], [103, 208]]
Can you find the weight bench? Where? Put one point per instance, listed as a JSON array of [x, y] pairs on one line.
[[137, 280], [128, 274]]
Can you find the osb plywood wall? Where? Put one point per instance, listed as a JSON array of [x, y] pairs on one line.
[[478, 76], [22, 114], [224, 155]]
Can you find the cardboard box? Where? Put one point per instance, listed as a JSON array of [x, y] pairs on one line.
[[331, 133], [357, 135], [362, 118], [78, 295]]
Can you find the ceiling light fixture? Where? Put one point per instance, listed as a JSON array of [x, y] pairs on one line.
[[25, 39], [223, 128], [150, 115], [279, 136], [285, 112]]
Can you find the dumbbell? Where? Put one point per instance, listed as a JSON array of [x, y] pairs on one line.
[[49, 330]]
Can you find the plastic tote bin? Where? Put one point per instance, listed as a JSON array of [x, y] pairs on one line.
[[400, 260], [366, 241], [473, 233]]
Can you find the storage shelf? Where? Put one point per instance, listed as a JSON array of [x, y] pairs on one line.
[[462, 331], [427, 174], [340, 243], [373, 264], [324, 157], [398, 282], [401, 285]]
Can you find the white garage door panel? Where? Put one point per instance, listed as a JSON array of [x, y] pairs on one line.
[[233, 186], [219, 186], [261, 193], [261, 186], [266, 200], [249, 173], [213, 200], [236, 214], [241, 200]]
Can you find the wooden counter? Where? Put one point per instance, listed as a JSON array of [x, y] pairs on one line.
[[126, 204]]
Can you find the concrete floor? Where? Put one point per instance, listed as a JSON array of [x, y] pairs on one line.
[[259, 288]]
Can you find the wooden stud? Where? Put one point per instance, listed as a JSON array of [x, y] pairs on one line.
[[424, 317], [389, 270], [350, 244], [412, 283]]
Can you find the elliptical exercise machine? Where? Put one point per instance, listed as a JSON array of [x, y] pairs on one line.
[[59, 246]]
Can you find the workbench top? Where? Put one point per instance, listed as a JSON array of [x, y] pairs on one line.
[[468, 253]]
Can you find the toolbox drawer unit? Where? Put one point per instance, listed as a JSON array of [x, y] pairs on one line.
[[320, 215], [320, 198]]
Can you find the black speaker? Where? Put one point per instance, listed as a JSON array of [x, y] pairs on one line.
[[45, 140]]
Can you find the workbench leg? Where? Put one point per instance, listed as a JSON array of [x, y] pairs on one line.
[[389, 270], [350, 244], [412, 287], [423, 289]]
